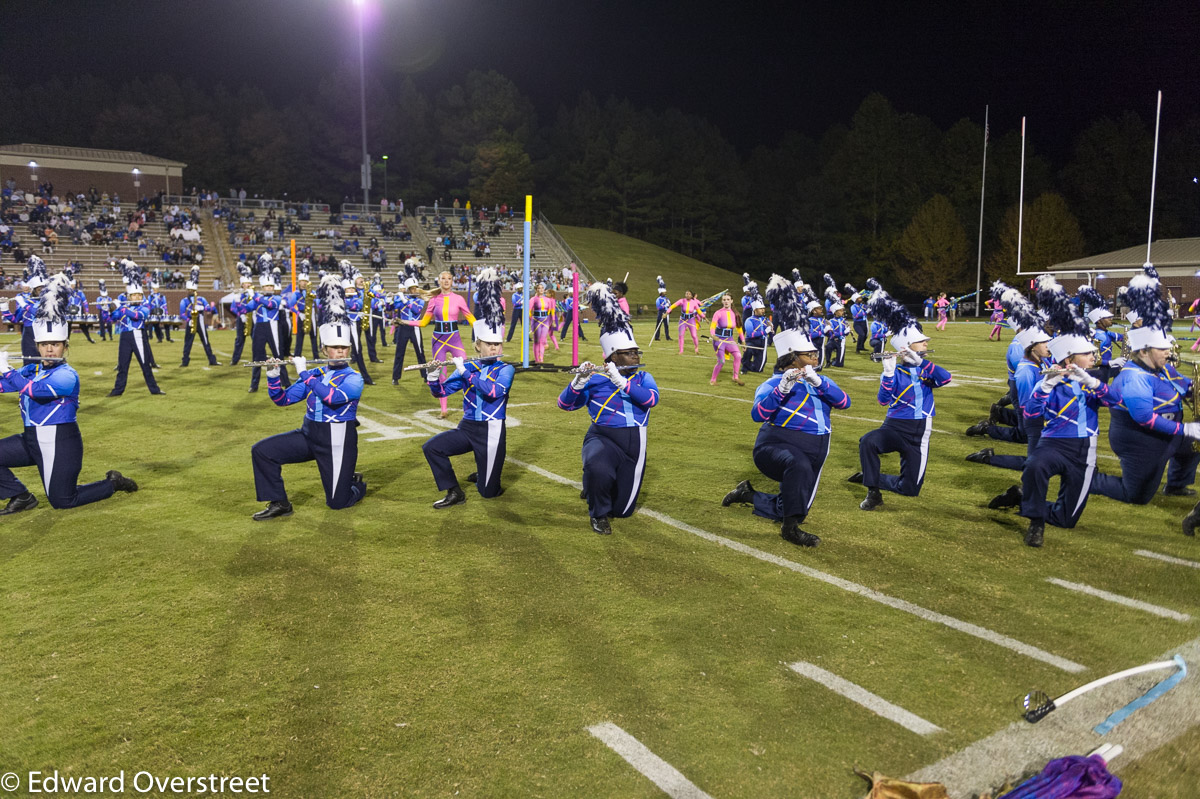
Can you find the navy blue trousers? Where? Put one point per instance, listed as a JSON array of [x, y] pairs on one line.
[[373, 327], [794, 459], [333, 445], [860, 332], [1033, 433], [819, 343], [910, 438], [876, 346], [755, 356], [488, 440], [57, 452], [189, 338], [28, 345], [835, 352], [1074, 461], [263, 342], [133, 345], [1144, 454], [406, 335], [662, 328], [301, 336], [512, 325], [614, 461]]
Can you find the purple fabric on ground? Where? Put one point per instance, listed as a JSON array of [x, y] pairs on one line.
[[1073, 777]]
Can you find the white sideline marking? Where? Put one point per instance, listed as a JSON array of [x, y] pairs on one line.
[[653, 767], [876, 704], [1145, 553], [1166, 613], [838, 582]]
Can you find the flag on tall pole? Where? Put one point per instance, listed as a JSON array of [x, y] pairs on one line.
[[526, 281], [982, 187]]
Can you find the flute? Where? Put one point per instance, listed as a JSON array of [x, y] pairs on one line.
[[430, 366], [277, 362], [879, 356], [592, 368], [35, 358]]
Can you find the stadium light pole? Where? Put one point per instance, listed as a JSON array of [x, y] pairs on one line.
[[137, 184], [362, 98], [384, 177], [33, 172]]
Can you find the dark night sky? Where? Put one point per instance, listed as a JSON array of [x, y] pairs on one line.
[[755, 69]]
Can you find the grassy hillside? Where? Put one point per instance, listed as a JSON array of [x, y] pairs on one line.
[[610, 254]]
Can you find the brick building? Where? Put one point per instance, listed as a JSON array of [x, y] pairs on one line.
[[78, 168]]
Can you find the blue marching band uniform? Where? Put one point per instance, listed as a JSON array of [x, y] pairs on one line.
[[757, 330], [265, 310], [130, 316], [408, 308], [191, 312], [301, 304], [484, 385], [518, 309]]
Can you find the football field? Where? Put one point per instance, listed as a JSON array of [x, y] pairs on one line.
[[500, 648]]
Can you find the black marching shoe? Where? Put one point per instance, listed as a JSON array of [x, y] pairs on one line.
[[982, 456], [994, 413], [120, 482], [600, 525], [1191, 521], [359, 480], [979, 429], [473, 477], [874, 499], [857, 477], [454, 496], [114, 394], [274, 509], [1009, 499], [1179, 492], [1035, 534], [742, 492], [19, 503], [792, 533]]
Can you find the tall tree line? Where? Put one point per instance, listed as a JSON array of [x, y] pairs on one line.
[[886, 193]]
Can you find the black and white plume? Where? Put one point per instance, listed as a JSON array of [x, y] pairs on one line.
[[851, 292], [746, 282], [1093, 304], [264, 265], [904, 328], [489, 325], [335, 327], [1072, 336], [831, 294], [755, 299], [790, 316], [244, 271], [615, 330], [35, 272], [662, 285], [1144, 298], [132, 277], [193, 281], [50, 318], [1021, 314]]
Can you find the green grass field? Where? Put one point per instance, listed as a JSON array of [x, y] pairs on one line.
[[395, 650]]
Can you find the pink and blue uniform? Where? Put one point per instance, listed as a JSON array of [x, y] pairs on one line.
[[689, 312], [445, 311], [726, 331], [542, 312]]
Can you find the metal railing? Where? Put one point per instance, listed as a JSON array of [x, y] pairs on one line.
[[193, 201]]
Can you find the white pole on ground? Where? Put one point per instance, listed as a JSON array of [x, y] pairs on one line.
[[1153, 177], [982, 187], [1021, 199]]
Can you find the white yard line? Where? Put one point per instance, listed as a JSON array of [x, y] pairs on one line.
[[1166, 613], [876, 704], [1145, 553], [653, 767]]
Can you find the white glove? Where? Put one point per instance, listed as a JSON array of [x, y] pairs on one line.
[[1192, 430], [810, 376], [909, 357], [273, 371], [432, 376], [889, 365], [458, 364], [614, 374], [581, 380], [1080, 375], [1116, 363], [4, 367], [1052, 379], [789, 380], [4, 306], [300, 362]]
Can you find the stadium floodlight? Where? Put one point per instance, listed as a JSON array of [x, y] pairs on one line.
[[137, 178], [33, 165], [385, 160]]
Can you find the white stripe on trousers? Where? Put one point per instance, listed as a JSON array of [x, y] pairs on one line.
[[47, 436], [817, 482], [1087, 474], [925, 448], [495, 426], [638, 469], [139, 346], [337, 443]]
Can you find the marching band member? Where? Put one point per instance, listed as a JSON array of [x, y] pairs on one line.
[[997, 318], [1005, 423], [80, 301], [1067, 447], [36, 277], [191, 311], [373, 308], [1102, 319], [858, 314], [1033, 344], [352, 284], [726, 331], [569, 312], [689, 311], [329, 434], [445, 309], [907, 391], [662, 324], [878, 334], [619, 290], [746, 283], [758, 332], [518, 309], [542, 310], [793, 406], [265, 308], [943, 311], [301, 305], [485, 382], [1146, 429], [130, 315], [618, 398], [835, 326], [243, 316], [49, 400], [104, 305], [158, 309], [407, 307]]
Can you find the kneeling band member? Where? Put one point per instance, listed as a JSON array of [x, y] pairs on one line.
[[328, 435], [906, 389], [618, 397], [49, 400], [793, 406], [484, 382]]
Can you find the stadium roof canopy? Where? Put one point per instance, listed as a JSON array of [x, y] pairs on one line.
[[47, 153], [1169, 256]]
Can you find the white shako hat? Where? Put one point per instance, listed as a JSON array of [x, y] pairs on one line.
[[905, 329], [615, 331], [1145, 299], [302, 270], [662, 285], [50, 319], [193, 283], [790, 316], [489, 326], [1073, 336], [746, 282], [831, 294], [334, 328], [264, 264]]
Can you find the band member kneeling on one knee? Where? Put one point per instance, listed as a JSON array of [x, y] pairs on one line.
[[329, 434]]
